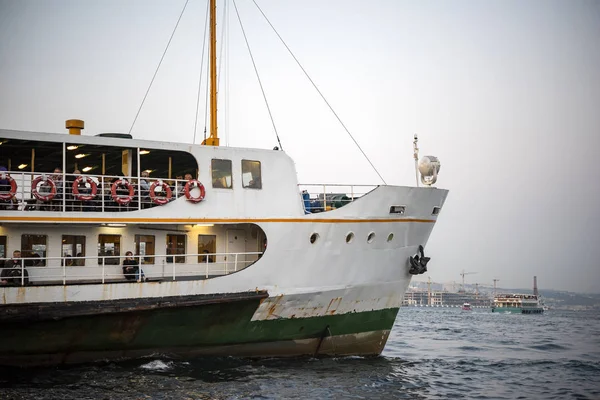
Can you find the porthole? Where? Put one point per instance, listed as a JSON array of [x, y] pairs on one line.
[[314, 237], [349, 237], [390, 237], [436, 210], [371, 237]]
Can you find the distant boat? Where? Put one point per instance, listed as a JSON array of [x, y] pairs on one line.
[[466, 307], [517, 303]]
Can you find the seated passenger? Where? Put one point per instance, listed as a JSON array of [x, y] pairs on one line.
[[145, 190], [206, 257], [131, 268], [180, 186], [57, 177], [11, 274], [79, 260]]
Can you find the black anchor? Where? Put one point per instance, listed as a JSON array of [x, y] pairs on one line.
[[418, 265]]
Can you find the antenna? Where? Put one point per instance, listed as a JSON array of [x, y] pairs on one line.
[[416, 155]]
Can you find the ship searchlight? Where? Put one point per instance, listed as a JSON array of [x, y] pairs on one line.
[[429, 167]]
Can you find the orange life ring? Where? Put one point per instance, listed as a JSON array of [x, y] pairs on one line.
[[165, 187], [123, 200], [84, 197], [13, 187], [34, 188], [191, 184]]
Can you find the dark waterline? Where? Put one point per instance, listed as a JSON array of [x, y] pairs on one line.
[[431, 354]]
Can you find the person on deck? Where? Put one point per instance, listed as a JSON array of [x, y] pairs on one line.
[[131, 268], [11, 274]]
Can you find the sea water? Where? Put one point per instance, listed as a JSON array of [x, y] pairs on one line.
[[432, 353]]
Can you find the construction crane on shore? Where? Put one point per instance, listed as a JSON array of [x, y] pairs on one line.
[[495, 280], [463, 273]]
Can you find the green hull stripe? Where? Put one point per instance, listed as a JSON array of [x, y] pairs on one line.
[[194, 326]]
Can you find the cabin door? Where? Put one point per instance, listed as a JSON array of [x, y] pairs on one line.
[[236, 243]]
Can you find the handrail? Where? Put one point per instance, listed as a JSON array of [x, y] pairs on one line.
[[320, 197], [24, 200], [101, 271]]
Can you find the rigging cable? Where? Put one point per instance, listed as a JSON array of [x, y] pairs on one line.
[[317, 89], [158, 67], [200, 78], [257, 76]]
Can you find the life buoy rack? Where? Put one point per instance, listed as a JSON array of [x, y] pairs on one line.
[[84, 197], [47, 181], [160, 200], [123, 200], [190, 185], [13, 187]]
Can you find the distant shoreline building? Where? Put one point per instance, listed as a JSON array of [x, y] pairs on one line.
[[424, 298]]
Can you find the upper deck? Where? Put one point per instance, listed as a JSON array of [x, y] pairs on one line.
[[238, 183]]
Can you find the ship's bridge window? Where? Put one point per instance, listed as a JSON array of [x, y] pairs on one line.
[[109, 249], [73, 249], [221, 174], [34, 246], [144, 247], [251, 176]]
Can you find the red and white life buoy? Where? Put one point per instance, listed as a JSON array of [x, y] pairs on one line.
[[84, 197], [122, 199], [47, 181], [160, 200], [190, 185], [13, 187]]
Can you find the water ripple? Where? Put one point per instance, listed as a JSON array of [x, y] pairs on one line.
[[431, 354]]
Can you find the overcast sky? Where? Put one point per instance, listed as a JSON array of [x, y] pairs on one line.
[[505, 93]]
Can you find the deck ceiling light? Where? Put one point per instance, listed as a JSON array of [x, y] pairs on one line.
[[21, 166], [72, 147], [199, 225], [144, 152], [87, 169], [81, 155], [116, 225]]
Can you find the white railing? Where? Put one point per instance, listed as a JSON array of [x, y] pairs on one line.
[[63, 270], [24, 199], [325, 197]]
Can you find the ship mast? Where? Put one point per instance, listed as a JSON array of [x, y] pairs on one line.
[[213, 139]]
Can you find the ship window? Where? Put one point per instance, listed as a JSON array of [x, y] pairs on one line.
[[436, 210], [176, 245], [207, 244], [397, 209], [221, 173], [109, 249], [2, 249], [73, 246], [371, 237], [34, 246], [144, 247], [314, 237], [251, 176], [349, 237], [390, 237]]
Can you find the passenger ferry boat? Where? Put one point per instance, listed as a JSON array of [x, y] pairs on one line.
[[517, 303], [231, 255], [466, 307]]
